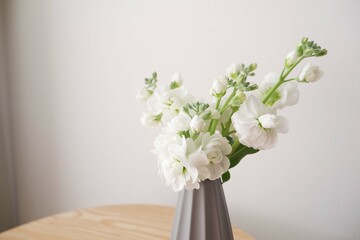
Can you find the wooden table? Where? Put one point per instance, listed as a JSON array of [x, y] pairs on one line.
[[130, 222]]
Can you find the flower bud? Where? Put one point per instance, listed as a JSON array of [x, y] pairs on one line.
[[234, 70], [219, 86], [176, 81], [197, 124], [308, 52], [299, 50], [143, 95], [252, 67], [304, 40], [310, 73], [291, 59], [238, 99]]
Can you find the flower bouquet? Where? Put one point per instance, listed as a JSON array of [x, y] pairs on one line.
[[202, 141]]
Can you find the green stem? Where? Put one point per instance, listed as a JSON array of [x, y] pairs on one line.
[[228, 101], [292, 67], [213, 123], [281, 80], [277, 85], [234, 146], [213, 126], [213, 120], [227, 126]]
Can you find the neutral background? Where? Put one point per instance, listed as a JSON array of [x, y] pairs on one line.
[[74, 67]]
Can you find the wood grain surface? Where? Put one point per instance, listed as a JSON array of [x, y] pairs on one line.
[[132, 222]]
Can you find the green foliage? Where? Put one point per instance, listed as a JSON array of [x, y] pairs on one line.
[[226, 176], [241, 152]]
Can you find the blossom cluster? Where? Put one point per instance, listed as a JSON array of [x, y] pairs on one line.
[[200, 140]]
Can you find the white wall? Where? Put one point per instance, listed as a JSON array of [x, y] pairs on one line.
[[77, 139]]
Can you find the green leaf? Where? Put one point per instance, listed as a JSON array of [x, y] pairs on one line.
[[240, 154], [226, 176]]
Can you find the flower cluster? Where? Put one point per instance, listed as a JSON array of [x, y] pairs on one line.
[[200, 141]]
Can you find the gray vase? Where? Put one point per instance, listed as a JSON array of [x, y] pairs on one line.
[[202, 214]]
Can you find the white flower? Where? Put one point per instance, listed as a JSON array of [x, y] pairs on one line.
[[268, 121], [216, 148], [143, 95], [177, 79], [197, 124], [168, 102], [179, 124], [183, 163], [219, 86], [174, 167], [291, 58], [234, 70], [150, 120], [200, 160], [310, 74], [286, 95], [257, 125]]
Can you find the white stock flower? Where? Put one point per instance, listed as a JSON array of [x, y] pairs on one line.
[[200, 160], [177, 79], [219, 86], [168, 102], [174, 167], [216, 148], [291, 58], [286, 95], [234, 70], [179, 124], [197, 124], [257, 126], [310, 73], [143, 95], [183, 163], [150, 120]]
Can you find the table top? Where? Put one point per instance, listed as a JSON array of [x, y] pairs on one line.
[[132, 222]]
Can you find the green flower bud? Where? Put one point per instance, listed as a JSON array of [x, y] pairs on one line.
[[252, 67], [322, 52], [238, 99], [304, 40], [308, 52], [300, 50]]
